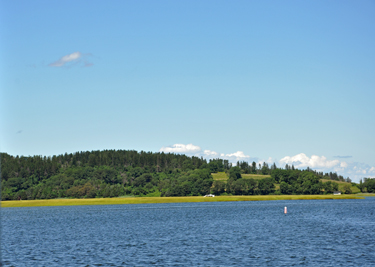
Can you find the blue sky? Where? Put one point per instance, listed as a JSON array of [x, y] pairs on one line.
[[278, 81]]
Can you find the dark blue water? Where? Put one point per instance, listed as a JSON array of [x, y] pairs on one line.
[[313, 233]]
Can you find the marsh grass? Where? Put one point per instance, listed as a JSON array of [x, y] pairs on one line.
[[366, 194], [149, 200]]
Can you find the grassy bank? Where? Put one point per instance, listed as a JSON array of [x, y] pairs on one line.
[[148, 200]]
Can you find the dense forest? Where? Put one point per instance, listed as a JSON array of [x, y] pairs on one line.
[[112, 173]]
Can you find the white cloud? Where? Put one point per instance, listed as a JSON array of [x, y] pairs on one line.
[[181, 148], [210, 153], [303, 161], [236, 156], [75, 57], [343, 164], [372, 169]]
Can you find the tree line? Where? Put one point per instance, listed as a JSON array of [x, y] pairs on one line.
[[112, 173], [368, 185]]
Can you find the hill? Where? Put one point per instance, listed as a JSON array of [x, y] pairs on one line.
[[113, 173]]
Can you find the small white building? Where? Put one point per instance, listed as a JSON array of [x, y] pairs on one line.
[[336, 193], [209, 195]]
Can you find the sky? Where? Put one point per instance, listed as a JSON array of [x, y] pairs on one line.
[[290, 82]]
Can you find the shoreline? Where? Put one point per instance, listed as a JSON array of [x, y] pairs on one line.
[[155, 200]]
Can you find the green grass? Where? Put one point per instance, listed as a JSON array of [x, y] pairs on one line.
[[148, 200], [222, 176], [255, 176], [219, 176], [342, 184]]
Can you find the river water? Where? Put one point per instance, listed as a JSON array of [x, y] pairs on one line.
[[313, 233]]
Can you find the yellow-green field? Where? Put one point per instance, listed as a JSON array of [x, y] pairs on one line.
[[255, 176], [148, 200], [222, 176], [341, 185]]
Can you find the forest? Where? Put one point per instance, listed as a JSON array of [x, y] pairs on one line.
[[113, 173]]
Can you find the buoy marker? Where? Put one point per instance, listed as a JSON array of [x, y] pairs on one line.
[[285, 210]]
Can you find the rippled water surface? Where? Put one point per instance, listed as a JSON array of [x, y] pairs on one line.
[[313, 233]]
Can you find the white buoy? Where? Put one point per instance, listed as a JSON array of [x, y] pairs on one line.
[[285, 210]]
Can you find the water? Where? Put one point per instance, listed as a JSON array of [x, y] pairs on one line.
[[313, 233]]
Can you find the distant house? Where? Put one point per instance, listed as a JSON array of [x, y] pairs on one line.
[[336, 193], [209, 195]]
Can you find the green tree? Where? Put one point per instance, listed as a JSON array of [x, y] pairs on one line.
[[279, 175], [360, 185], [335, 186], [266, 186], [251, 185], [347, 189], [235, 173], [327, 186], [240, 187], [253, 167], [285, 188], [107, 174], [218, 187], [369, 184], [265, 169], [142, 180]]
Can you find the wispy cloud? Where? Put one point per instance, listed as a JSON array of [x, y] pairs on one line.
[[72, 59], [88, 64], [342, 157], [181, 148]]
